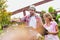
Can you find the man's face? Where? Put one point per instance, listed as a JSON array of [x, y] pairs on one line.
[[32, 12]]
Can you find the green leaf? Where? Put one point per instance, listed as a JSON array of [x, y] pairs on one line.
[[50, 9]]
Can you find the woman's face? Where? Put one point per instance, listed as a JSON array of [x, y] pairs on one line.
[[46, 18]]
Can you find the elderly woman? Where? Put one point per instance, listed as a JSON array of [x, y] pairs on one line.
[[17, 33]]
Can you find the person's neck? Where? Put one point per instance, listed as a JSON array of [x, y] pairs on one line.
[[48, 22]]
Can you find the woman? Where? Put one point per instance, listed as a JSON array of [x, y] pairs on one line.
[[51, 26]]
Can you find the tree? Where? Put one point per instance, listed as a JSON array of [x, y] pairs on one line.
[[4, 15]]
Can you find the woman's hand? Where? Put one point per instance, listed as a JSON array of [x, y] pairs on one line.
[[53, 33]]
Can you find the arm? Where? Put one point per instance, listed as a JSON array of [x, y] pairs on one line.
[[56, 30], [39, 24], [54, 33], [19, 19]]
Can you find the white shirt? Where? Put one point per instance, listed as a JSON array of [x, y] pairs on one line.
[[32, 22]]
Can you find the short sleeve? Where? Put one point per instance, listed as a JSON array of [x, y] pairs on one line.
[[54, 23]]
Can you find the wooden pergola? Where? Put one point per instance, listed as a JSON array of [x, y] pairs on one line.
[[26, 8]]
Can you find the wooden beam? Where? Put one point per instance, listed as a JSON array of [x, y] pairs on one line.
[[26, 8], [58, 11], [42, 2], [20, 10]]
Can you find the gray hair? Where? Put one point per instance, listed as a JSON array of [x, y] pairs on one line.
[[32, 7]]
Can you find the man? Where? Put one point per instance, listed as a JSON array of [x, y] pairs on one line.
[[32, 20]]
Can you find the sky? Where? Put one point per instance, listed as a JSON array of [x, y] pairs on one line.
[[18, 4]]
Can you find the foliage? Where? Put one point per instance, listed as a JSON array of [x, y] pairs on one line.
[[41, 14], [4, 15], [51, 10], [58, 16]]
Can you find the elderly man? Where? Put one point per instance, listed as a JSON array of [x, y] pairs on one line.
[[17, 33]]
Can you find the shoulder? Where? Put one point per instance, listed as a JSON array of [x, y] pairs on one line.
[[38, 17], [54, 23]]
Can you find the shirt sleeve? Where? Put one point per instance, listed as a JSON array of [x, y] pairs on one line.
[[54, 23], [23, 19]]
